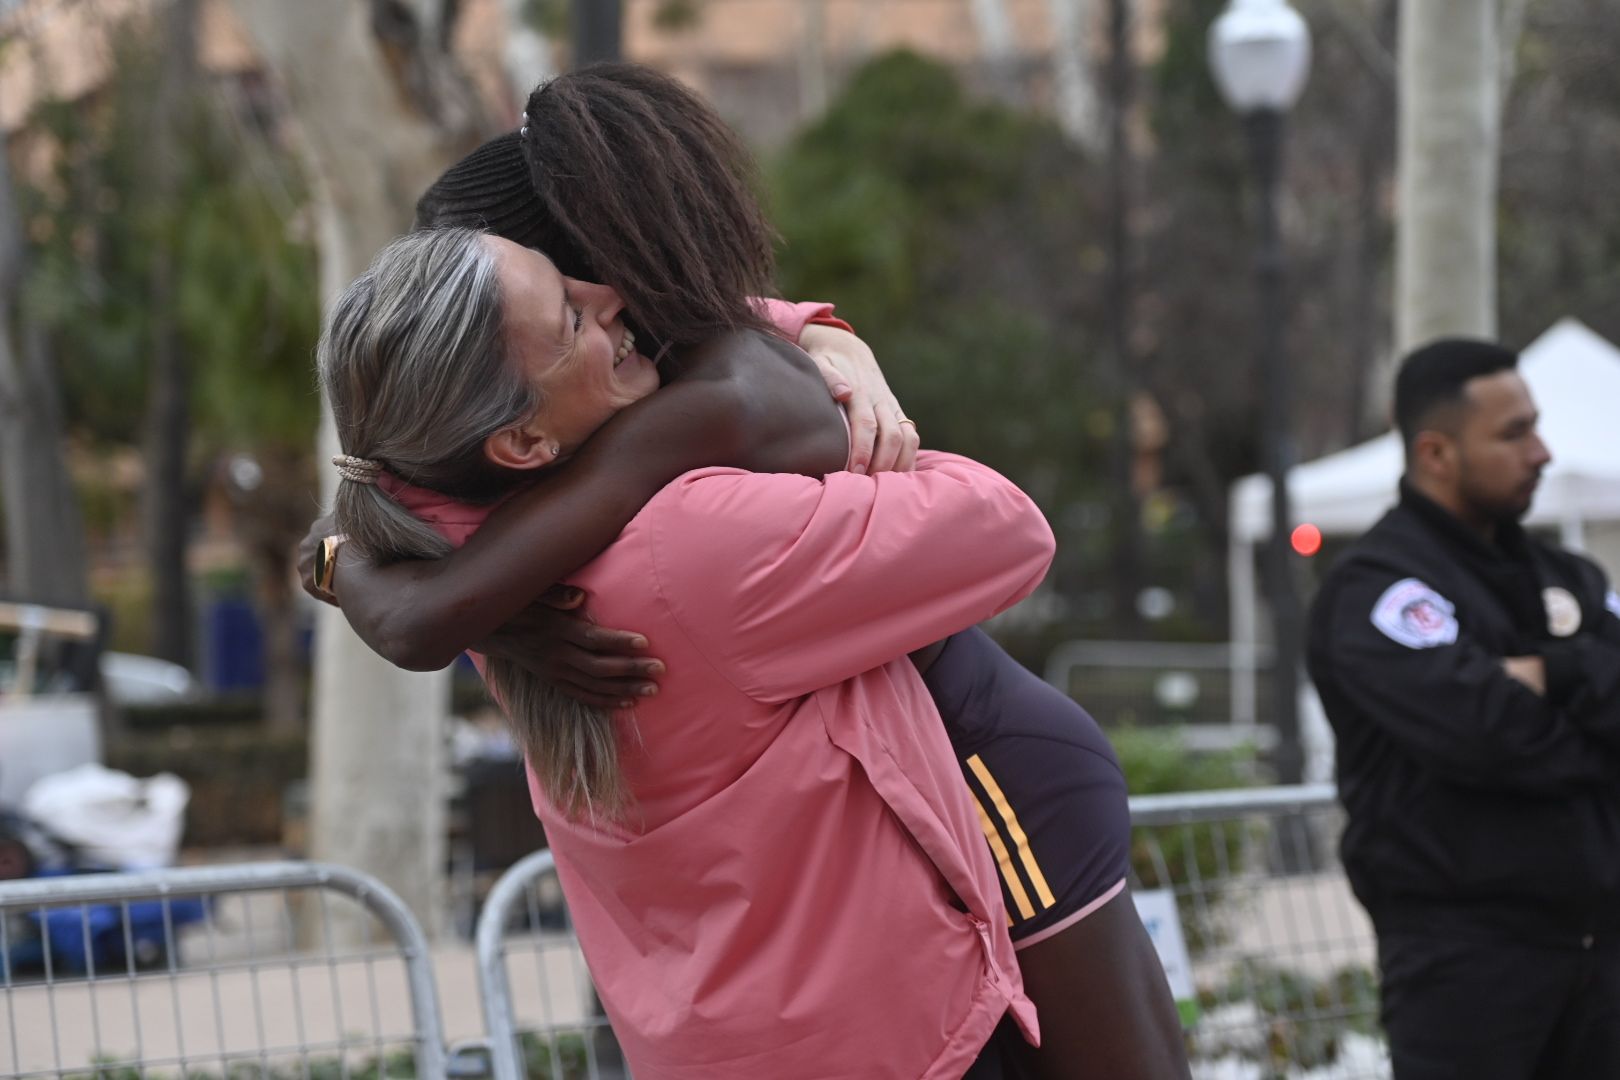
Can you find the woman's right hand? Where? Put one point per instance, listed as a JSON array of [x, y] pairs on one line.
[[592, 664], [881, 438]]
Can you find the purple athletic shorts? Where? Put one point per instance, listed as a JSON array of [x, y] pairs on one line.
[[1051, 795]]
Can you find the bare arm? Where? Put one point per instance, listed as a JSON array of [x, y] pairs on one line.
[[745, 400]]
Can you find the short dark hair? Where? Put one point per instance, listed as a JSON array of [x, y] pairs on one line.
[[1433, 377], [623, 176]]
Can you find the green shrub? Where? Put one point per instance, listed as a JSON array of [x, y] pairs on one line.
[[1305, 1019], [540, 1055], [1157, 762], [396, 1065], [238, 773], [565, 1052], [239, 710], [1192, 859]]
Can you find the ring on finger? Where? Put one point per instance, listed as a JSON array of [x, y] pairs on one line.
[[913, 423]]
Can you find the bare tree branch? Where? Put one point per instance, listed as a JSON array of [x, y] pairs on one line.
[[525, 54], [381, 107], [998, 46], [1363, 39], [44, 530], [1079, 111]]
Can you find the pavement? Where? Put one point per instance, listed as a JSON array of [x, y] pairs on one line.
[[243, 989]]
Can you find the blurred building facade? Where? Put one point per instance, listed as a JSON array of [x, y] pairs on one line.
[[768, 65]]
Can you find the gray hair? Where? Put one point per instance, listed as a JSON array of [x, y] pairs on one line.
[[414, 363]]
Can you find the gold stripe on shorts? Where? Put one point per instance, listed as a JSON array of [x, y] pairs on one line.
[[1004, 860], [1014, 830]]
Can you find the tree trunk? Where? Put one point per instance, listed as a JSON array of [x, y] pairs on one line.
[[1125, 511], [1372, 363], [867, 17], [165, 508], [1445, 272], [44, 529], [278, 614], [1509, 28], [381, 111], [526, 53], [998, 47], [812, 59], [272, 514], [598, 31], [1364, 344], [1078, 110]]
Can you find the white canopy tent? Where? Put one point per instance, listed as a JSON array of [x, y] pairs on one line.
[[1574, 376]]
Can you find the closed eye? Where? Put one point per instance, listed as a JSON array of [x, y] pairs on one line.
[[579, 312]]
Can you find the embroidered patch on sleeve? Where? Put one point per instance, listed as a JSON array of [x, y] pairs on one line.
[[1412, 614], [1612, 602]]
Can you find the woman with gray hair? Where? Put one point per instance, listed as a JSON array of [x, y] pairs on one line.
[[448, 386], [709, 841]]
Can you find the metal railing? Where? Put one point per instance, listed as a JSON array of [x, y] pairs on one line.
[[1154, 683], [552, 1026], [1282, 958], [289, 970], [269, 971]]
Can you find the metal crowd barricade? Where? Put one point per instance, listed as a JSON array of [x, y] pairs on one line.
[[540, 1006], [1283, 959], [1281, 956], [268, 971], [307, 971]]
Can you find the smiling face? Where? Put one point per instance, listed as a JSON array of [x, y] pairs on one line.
[[571, 341]]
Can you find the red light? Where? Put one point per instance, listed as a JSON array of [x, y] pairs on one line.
[[1307, 539]]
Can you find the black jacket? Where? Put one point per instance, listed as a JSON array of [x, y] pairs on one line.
[[1476, 808]]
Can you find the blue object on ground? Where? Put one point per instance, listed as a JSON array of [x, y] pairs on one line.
[[107, 937]]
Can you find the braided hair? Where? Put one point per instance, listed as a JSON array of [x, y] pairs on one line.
[[623, 176]]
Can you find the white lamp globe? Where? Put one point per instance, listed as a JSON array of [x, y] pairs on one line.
[[1260, 52]]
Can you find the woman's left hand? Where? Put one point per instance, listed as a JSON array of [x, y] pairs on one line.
[[592, 664], [881, 438]]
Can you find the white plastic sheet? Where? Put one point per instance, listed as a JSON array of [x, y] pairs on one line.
[[116, 819]]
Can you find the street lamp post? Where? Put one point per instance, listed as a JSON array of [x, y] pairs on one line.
[[1259, 51]]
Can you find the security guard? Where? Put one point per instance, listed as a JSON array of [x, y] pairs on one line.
[[1471, 673]]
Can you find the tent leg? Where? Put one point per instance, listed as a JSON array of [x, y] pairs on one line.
[[1242, 602], [1572, 533]]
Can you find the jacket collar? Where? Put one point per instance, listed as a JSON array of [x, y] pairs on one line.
[[435, 507], [1510, 544], [1505, 566]]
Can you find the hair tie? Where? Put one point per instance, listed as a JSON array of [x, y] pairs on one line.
[[357, 469]]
